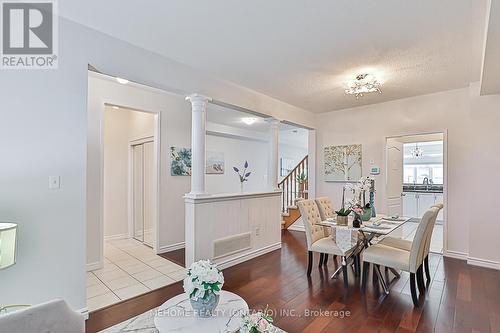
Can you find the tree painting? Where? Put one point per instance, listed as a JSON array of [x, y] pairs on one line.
[[342, 163], [181, 161]]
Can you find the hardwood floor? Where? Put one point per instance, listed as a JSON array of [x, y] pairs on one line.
[[460, 298]]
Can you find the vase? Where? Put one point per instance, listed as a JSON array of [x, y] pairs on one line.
[[204, 307], [241, 187], [342, 220], [356, 223], [367, 214]]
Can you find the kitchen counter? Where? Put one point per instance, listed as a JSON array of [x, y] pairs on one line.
[[422, 188]]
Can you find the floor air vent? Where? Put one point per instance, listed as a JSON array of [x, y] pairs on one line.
[[232, 244]]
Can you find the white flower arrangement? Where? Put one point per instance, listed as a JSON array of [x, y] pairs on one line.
[[202, 278], [258, 322], [358, 190]]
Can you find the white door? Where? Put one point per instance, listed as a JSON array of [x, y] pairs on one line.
[[149, 192], [137, 192], [394, 176]]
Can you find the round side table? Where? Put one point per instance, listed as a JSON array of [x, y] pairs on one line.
[[176, 315]]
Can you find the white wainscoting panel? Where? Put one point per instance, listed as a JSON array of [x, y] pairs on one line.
[[214, 217]]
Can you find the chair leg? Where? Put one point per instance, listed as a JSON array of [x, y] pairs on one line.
[[420, 280], [427, 272], [366, 269], [325, 259], [374, 274], [321, 258], [414, 296], [309, 263], [344, 272]]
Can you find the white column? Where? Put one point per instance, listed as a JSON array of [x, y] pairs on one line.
[[272, 171], [198, 122]]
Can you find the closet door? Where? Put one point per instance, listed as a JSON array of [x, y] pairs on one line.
[[149, 203], [138, 189]]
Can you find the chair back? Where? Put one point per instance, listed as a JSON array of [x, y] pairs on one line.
[[311, 218], [417, 252], [325, 208], [431, 229]]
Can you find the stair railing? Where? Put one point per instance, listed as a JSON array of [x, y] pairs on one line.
[[291, 188]]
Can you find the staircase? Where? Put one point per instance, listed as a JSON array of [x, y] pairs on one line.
[[293, 190]]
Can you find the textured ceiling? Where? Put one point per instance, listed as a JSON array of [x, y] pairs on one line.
[[302, 52]]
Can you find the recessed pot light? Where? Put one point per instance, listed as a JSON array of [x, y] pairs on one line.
[[115, 107], [249, 120]]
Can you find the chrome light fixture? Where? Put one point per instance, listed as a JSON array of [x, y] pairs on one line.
[[417, 152], [249, 120], [363, 84]]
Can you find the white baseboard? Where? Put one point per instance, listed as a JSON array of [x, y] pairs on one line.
[[455, 254], [298, 227], [84, 312], [114, 237], [94, 265], [173, 247], [483, 263], [247, 256]]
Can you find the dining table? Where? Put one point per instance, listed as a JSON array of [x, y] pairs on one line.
[[352, 241]]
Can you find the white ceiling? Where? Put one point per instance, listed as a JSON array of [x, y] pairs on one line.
[[289, 134], [303, 52]]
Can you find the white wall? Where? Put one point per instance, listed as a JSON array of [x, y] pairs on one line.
[[120, 128], [467, 131], [236, 152], [175, 119]]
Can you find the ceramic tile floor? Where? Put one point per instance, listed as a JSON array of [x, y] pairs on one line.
[[410, 228], [130, 269]]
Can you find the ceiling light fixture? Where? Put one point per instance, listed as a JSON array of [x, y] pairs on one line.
[[417, 152], [249, 120], [122, 81], [363, 84]]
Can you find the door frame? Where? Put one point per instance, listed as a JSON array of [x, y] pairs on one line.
[[444, 132], [157, 141]]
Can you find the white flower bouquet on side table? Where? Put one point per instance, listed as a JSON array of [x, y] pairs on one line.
[[203, 284]]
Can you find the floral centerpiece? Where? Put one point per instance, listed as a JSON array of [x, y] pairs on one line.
[[203, 284], [242, 175], [258, 322], [357, 204]]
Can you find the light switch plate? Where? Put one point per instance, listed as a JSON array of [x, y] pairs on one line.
[[54, 182]]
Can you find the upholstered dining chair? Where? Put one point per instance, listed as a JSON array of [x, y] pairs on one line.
[[317, 240], [406, 244], [409, 261], [326, 211], [325, 208]]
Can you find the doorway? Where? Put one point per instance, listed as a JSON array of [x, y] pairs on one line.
[[416, 180]]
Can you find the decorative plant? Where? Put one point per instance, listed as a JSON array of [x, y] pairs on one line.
[[259, 322], [243, 175], [343, 212], [301, 178], [203, 278]]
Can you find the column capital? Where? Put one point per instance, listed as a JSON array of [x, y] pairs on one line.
[[197, 98]]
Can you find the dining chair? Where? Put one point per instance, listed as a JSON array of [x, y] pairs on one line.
[[406, 244], [409, 261], [317, 240], [326, 211]]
